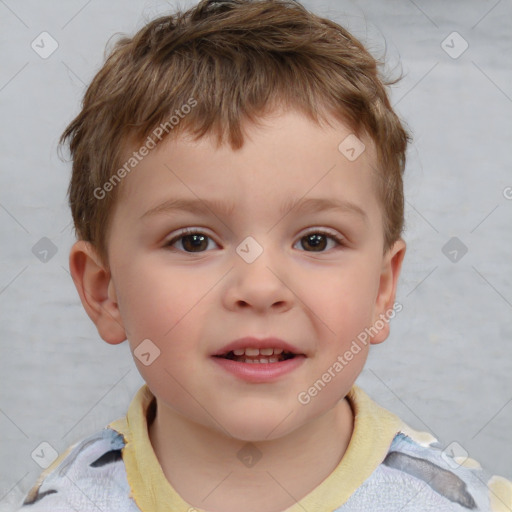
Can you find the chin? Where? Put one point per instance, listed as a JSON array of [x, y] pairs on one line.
[[261, 427]]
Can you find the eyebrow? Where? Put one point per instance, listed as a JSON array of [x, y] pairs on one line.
[[203, 206]]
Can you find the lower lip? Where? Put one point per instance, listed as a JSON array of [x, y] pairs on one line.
[[259, 372]]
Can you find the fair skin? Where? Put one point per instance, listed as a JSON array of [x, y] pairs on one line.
[[190, 304]]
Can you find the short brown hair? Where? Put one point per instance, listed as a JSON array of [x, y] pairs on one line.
[[237, 60]]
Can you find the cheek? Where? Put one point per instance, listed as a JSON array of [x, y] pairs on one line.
[[346, 301], [154, 301], [157, 305]]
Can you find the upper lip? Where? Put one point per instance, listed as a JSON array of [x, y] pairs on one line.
[[252, 342]]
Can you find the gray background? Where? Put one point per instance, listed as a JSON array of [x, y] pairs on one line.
[[447, 365]]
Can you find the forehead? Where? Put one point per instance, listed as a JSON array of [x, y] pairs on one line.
[[284, 158]]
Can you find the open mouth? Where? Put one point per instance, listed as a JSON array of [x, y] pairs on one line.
[[254, 355]]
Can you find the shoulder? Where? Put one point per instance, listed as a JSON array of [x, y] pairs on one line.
[[90, 476], [418, 474]]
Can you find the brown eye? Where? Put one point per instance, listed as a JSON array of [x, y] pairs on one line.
[[315, 241], [190, 241], [194, 243], [318, 241]]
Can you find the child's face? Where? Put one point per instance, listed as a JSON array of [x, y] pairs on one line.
[[192, 304]]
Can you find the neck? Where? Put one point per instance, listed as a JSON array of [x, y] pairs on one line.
[[215, 472]]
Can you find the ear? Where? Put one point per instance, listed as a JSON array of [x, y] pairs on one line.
[[97, 291], [384, 305]]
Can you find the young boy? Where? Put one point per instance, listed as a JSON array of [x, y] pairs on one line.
[[237, 195]]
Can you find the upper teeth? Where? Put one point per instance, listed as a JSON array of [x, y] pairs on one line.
[[257, 351]]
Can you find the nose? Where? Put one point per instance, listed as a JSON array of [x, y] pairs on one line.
[[260, 285]]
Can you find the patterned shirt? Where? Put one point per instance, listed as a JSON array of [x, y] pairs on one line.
[[387, 466]]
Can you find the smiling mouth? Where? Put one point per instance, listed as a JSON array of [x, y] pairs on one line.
[[259, 356]]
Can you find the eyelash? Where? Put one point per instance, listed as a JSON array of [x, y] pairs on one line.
[[340, 241]]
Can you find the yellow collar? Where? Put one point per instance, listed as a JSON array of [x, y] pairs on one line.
[[374, 430]]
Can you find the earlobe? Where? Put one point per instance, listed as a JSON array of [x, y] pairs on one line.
[[385, 301], [97, 291]]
